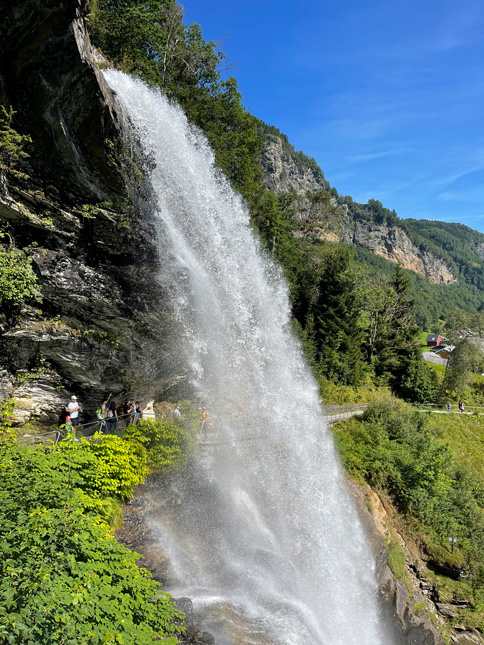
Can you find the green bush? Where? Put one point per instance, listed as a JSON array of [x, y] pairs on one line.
[[63, 576], [11, 142], [17, 280], [167, 443]]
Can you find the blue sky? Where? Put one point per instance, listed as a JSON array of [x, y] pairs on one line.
[[387, 97]]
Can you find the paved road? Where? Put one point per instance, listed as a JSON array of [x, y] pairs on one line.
[[431, 357]]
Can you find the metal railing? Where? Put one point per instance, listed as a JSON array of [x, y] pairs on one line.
[[84, 430], [342, 416], [117, 427], [121, 422]]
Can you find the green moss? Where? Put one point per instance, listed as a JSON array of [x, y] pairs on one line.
[[396, 560], [433, 618]]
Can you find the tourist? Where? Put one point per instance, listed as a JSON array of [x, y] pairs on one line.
[[68, 427], [176, 413], [448, 406], [112, 417], [73, 409], [105, 404], [128, 411], [461, 407], [203, 421], [138, 412]]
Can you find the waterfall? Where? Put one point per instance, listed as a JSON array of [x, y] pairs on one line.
[[264, 528]]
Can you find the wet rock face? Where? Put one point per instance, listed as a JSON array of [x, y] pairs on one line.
[[103, 321], [59, 97]]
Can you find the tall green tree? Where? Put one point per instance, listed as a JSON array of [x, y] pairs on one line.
[[397, 342], [466, 333], [150, 39], [392, 342], [334, 320]]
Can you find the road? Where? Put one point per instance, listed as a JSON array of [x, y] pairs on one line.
[[431, 357]]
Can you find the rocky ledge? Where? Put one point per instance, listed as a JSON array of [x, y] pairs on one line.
[[420, 615]]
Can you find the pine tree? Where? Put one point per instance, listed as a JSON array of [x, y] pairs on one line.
[[393, 342], [337, 333]]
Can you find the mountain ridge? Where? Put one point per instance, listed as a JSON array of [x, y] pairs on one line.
[[371, 225]]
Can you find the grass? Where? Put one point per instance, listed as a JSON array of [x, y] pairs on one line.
[[465, 435], [418, 608], [439, 369], [366, 393], [396, 559]]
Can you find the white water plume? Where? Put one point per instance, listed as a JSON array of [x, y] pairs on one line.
[[265, 536]]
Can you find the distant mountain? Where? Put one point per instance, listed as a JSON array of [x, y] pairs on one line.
[[446, 259]]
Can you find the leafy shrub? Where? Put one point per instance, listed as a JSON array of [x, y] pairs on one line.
[[420, 384], [11, 142], [7, 433], [166, 442], [63, 577], [17, 280]]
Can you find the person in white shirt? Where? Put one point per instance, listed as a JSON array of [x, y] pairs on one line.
[[74, 408]]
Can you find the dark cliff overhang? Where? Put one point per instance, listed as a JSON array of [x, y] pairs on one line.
[[59, 96]]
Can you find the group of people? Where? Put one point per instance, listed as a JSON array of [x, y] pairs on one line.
[[461, 407], [131, 411], [177, 416]]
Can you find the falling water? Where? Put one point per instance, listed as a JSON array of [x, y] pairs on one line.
[[265, 528]]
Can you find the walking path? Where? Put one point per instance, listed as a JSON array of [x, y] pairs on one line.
[[334, 417], [332, 414]]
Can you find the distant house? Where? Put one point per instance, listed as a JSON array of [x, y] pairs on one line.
[[434, 340]]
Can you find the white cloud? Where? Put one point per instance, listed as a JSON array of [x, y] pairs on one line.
[[376, 155]]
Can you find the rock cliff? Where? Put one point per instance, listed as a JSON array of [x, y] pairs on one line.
[[393, 243], [99, 323], [284, 172], [419, 614]]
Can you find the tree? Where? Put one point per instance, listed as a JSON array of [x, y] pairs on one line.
[[463, 360], [334, 315], [465, 331], [151, 40], [392, 342]]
